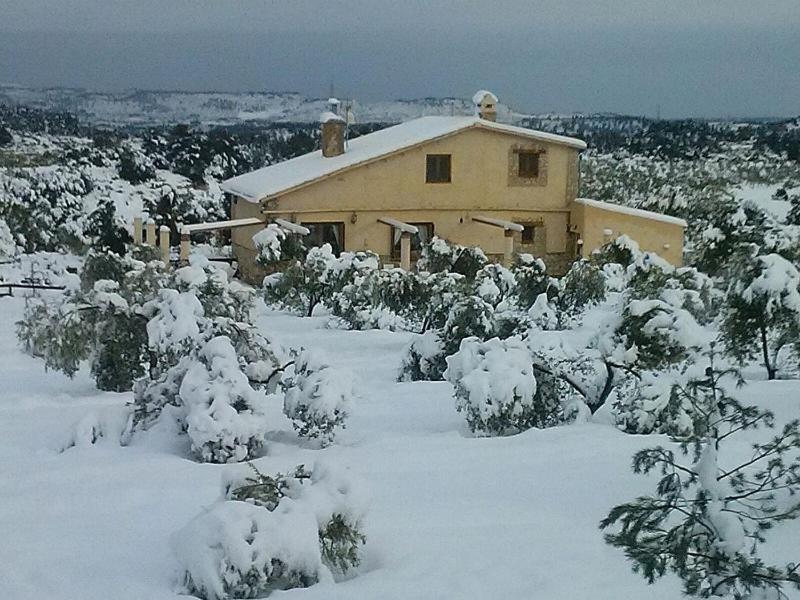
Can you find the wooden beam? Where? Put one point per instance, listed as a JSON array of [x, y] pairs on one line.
[[222, 225], [506, 225], [404, 227], [293, 227]]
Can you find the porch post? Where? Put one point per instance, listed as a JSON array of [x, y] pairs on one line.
[[150, 239], [508, 251], [405, 251], [163, 242], [185, 247], [137, 231]]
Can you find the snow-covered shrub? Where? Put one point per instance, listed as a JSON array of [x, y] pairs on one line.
[[105, 229], [584, 285], [225, 417], [134, 165], [275, 244], [531, 279], [495, 284], [495, 387], [762, 313], [438, 256], [317, 397], [272, 533], [650, 276], [219, 296], [8, 243], [425, 357], [621, 250]]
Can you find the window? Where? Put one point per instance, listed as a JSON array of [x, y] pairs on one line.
[[325, 233], [437, 168], [528, 233], [422, 237], [528, 166]]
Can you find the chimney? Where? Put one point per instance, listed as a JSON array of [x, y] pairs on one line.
[[332, 134], [486, 105]]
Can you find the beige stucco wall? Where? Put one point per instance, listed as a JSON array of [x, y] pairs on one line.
[[483, 183], [663, 238]]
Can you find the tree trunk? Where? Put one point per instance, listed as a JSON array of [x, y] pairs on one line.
[[771, 371]]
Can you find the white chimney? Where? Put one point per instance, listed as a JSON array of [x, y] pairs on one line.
[[485, 105]]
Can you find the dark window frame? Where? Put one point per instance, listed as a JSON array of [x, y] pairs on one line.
[[525, 169], [528, 236], [438, 168]]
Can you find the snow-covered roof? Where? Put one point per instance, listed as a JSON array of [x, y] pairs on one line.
[[288, 175], [634, 212]]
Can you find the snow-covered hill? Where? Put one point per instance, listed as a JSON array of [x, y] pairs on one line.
[[155, 107]]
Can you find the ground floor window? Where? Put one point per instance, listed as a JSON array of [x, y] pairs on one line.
[[325, 233], [528, 233], [423, 236]]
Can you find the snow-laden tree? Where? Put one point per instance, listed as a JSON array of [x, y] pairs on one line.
[[622, 250], [317, 396], [302, 286], [272, 532], [225, 417], [707, 519], [762, 312], [8, 243], [495, 387], [584, 285]]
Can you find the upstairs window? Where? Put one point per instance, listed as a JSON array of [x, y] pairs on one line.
[[528, 166], [437, 168]]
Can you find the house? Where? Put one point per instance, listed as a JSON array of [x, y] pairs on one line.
[[468, 179]]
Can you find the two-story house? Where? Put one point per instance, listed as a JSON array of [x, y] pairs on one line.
[[467, 179]]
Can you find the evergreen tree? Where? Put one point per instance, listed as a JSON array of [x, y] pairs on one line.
[[705, 523], [762, 314]]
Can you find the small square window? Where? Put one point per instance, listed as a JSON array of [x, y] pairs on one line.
[[528, 234], [437, 168], [528, 167]]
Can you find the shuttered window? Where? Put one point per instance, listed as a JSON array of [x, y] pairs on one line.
[[437, 168]]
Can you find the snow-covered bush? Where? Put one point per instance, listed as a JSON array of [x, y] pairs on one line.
[[531, 279], [425, 357], [439, 256], [762, 312], [584, 285], [272, 533], [275, 244], [225, 417], [495, 387], [317, 397], [621, 250], [219, 296], [8, 244]]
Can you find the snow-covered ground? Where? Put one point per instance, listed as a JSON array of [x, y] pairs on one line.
[[449, 515]]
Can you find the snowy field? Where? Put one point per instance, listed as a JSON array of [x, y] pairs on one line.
[[449, 515]]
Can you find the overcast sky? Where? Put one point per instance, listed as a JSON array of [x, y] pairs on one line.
[[688, 58]]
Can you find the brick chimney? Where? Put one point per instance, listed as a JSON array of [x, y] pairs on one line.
[[332, 132], [486, 105]]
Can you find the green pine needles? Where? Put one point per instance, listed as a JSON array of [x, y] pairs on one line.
[[706, 521]]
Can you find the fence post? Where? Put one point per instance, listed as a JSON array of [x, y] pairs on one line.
[[185, 246], [137, 231], [163, 242], [150, 239]]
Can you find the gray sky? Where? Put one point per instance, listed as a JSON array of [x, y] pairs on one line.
[[700, 57]]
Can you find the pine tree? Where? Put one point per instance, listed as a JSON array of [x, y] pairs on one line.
[[705, 523]]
